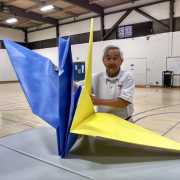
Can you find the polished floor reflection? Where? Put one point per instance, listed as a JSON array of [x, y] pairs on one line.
[[155, 109]]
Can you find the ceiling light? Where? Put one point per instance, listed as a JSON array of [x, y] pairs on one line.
[[12, 20], [46, 8]]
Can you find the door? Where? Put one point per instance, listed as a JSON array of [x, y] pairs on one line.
[[79, 71]]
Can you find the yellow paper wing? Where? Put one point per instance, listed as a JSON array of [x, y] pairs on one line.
[[112, 127], [88, 76], [87, 122]]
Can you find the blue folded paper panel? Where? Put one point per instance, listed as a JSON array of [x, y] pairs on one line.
[[67, 102], [38, 80], [46, 92]]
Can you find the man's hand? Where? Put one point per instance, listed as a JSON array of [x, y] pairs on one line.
[[75, 86], [117, 102], [56, 68], [95, 100]]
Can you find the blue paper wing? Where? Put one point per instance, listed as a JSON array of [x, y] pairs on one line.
[[50, 97], [66, 90], [71, 137], [66, 95], [38, 79]]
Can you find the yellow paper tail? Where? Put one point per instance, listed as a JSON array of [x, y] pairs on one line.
[[88, 76], [84, 109], [112, 127]]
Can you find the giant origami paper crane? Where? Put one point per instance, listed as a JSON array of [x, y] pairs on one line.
[[52, 98]]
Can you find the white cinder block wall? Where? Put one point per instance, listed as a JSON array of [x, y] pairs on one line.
[[42, 35], [153, 51], [6, 70], [51, 53]]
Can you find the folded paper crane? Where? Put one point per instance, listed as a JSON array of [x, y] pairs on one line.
[[52, 98]]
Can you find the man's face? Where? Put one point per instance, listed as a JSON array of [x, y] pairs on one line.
[[112, 61]]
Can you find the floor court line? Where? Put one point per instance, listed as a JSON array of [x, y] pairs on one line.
[[153, 115], [146, 96], [13, 103], [42, 160], [17, 123], [11, 98], [171, 128], [15, 110], [155, 109], [141, 113], [160, 114]]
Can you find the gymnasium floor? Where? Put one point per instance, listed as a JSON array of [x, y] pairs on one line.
[[32, 154], [155, 109]]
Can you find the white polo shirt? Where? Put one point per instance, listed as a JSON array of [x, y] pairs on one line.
[[105, 87]]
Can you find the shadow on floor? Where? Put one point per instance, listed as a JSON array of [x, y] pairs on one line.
[[106, 151]]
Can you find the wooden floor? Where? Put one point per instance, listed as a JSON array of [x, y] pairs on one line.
[[155, 109]]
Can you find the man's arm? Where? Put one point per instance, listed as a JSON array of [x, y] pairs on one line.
[[117, 102], [75, 86]]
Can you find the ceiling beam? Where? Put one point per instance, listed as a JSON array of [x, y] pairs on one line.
[[140, 6], [65, 11], [71, 13], [40, 4], [6, 3], [20, 23], [57, 33], [35, 1], [96, 16], [59, 11], [131, 1], [15, 23], [102, 27], [50, 1], [25, 22], [117, 23], [69, 8], [57, 8], [8, 26], [38, 1], [85, 5], [30, 15], [2, 20], [159, 23], [171, 18], [51, 13], [26, 37], [33, 8], [94, 1]]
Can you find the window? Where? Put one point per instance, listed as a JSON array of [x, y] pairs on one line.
[[134, 30], [124, 32]]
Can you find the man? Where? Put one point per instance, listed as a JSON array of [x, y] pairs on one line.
[[113, 89]]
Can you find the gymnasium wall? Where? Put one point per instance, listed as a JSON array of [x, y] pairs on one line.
[[42, 35], [6, 70], [12, 34], [154, 51]]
